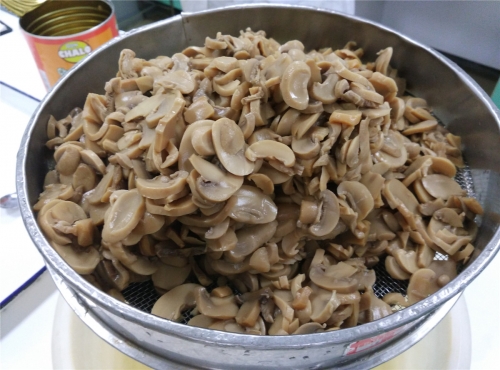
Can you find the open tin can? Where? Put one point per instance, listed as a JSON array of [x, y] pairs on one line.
[[61, 33]]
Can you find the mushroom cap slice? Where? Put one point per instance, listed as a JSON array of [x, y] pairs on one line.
[[230, 147], [249, 239], [214, 307], [82, 260], [294, 83], [213, 184], [441, 186], [422, 284], [397, 194], [271, 149], [123, 216], [248, 313], [162, 187], [168, 277], [359, 197], [58, 215], [186, 149], [171, 304], [251, 206], [323, 302], [337, 277], [329, 215]]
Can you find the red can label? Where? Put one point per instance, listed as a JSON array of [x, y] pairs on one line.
[[54, 56]]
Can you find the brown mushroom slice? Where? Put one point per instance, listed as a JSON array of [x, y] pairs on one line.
[[444, 267], [329, 215], [162, 187], [259, 261], [250, 205], [113, 272], [93, 160], [449, 216], [407, 259], [214, 307], [421, 127], [336, 277], [82, 260], [123, 216], [395, 299], [394, 269], [345, 117], [307, 147], [271, 149], [171, 304], [229, 144], [425, 255], [384, 85], [249, 239], [310, 328], [214, 184], [375, 307], [201, 321], [217, 231], [324, 92], [85, 177], [422, 284], [441, 186], [398, 195], [323, 302], [67, 158], [186, 149], [168, 277], [294, 83], [57, 218], [248, 313], [51, 192], [263, 182], [280, 326], [202, 141], [358, 196]]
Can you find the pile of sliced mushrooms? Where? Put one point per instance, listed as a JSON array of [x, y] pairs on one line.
[[257, 185]]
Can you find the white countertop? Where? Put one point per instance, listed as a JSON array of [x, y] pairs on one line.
[[27, 322]]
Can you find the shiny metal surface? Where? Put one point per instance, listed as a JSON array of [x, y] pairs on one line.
[[9, 201], [457, 100]]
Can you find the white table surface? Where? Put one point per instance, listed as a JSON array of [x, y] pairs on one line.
[[27, 322]]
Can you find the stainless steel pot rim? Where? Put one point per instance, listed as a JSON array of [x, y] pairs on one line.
[[393, 321]]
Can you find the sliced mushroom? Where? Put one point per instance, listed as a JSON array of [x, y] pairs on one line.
[[422, 284], [248, 313], [337, 277], [162, 187], [171, 304], [323, 302], [82, 260], [251, 206], [229, 144], [358, 196], [441, 186], [168, 277], [214, 307], [294, 83], [328, 215], [213, 184], [123, 216], [249, 239], [271, 149]]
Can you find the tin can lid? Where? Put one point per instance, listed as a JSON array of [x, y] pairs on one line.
[[62, 18]]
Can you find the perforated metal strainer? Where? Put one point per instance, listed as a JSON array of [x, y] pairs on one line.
[[456, 100]]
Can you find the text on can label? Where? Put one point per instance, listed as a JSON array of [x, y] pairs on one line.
[[74, 51]]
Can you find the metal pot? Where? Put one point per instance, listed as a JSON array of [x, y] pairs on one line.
[[456, 99]]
